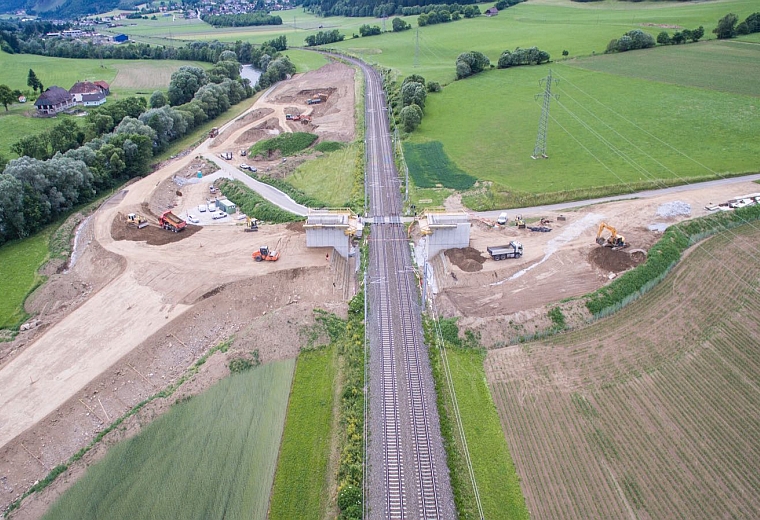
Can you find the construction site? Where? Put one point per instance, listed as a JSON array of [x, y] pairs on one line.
[[155, 281]]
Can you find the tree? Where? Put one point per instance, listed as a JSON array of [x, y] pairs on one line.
[[228, 56], [411, 117], [726, 27], [32, 81], [158, 99], [469, 63], [185, 83], [64, 136], [697, 34], [663, 38], [6, 96], [367, 30], [12, 223], [399, 25], [434, 86], [35, 146], [413, 93], [413, 78]]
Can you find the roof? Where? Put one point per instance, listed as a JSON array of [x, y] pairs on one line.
[[84, 87], [102, 84], [52, 96], [492, 10], [97, 96]]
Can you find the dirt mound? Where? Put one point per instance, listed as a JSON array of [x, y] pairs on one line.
[[153, 235], [296, 226], [260, 131], [616, 261], [468, 259]]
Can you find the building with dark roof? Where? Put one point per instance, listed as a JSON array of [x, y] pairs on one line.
[[93, 100], [105, 87], [54, 100], [83, 87]]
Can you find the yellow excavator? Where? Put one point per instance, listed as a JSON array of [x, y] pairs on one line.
[[614, 241]]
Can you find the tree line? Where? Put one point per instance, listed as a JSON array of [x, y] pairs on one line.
[[728, 28], [242, 19], [375, 8], [69, 165]]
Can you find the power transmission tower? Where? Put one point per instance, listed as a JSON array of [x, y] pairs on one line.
[[417, 50], [540, 149]]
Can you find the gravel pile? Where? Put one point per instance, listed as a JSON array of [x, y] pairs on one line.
[[674, 209]]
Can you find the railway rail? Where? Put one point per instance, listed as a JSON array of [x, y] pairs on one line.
[[406, 462]]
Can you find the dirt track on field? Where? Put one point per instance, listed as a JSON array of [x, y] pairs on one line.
[[141, 305]]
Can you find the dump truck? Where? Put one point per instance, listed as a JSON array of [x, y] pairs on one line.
[[264, 253], [133, 219], [213, 132], [171, 222], [512, 250]]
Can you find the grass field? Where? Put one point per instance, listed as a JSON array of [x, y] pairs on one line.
[[301, 481], [19, 262], [635, 417], [211, 457], [329, 178], [497, 481]]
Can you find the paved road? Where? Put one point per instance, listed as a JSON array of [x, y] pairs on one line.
[[539, 210], [270, 193]]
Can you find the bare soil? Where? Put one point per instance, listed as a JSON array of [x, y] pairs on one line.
[[468, 259], [139, 306], [615, 261]]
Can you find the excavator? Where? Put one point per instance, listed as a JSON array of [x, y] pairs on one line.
[[614, 241], [251, 224], [264, 253]]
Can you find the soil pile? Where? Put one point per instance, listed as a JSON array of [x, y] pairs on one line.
[[153, 235], [616, 261], [468, 259], [296, 226]]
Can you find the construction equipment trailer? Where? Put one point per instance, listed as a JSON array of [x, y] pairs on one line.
[[512, 250], [171, 222]]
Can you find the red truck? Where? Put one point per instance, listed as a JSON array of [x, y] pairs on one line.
[[171, 222]]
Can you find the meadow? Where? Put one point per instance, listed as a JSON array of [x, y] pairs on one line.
[[19, 262], [330, 177], [212, 456], [621, 419], [301, 484]]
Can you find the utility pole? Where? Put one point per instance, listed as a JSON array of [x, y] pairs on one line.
[[417, 50], [539, 151]]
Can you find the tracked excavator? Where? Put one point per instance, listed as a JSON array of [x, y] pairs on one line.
[[614, 241]]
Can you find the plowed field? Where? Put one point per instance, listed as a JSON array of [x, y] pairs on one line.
[[653, 413]]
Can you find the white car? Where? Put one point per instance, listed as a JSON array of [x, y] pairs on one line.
[[202, 208], [244, 167], [253, 169], [193, 220], [221, 214], [502, 220], [212, 207]]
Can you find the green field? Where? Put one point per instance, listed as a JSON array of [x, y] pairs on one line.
[[301, 482], [329, 178], [19, 262], [211, 457]]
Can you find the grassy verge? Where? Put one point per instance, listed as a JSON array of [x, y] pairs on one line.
[[19, 262], [301, 481], [495, 474], [212, 456], [287, 188], [254, 205], [331, 177]]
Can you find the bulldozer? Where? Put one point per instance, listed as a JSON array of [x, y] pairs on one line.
[[251, 224], [614, 241], [519, 222], [133, 219], [264, 253]]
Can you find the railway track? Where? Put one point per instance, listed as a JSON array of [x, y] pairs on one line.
[[408, 478]]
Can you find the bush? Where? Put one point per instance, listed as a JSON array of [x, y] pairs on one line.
[[287, 144], [328, 146]]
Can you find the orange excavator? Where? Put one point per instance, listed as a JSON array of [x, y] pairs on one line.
[[614, 241], [264, 253]]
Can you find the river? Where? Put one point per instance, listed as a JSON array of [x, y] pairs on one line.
[[250, 73]]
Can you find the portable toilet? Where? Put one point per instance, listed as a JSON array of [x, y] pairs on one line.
[[200, 174]]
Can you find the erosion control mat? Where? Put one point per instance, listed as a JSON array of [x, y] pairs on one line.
[[153, 235], [468, 259], [616, 261]]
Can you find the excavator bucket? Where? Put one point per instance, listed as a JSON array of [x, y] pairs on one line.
[[600, 241]]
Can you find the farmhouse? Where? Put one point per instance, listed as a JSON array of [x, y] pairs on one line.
[[54, 100], [81, 88], [93, 100], [493, 11], [105, 87]]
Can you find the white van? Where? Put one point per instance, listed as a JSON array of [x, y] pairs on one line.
[[502, 220]]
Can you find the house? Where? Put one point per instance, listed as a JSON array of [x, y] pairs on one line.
[[54, 100], [120, 38], [491, 11], [104, 87], [83, 87], [93, 100]]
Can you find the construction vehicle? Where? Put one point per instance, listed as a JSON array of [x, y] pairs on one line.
[[614, 241], [502, 220], [251, 224], [213, 132], [512, 250], [519, 222], [305, 120], [264, 253], [133, 219], [293, 117], [316, 99], [171, 222]]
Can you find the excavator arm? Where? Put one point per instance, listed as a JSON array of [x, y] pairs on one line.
[[615, 240]]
